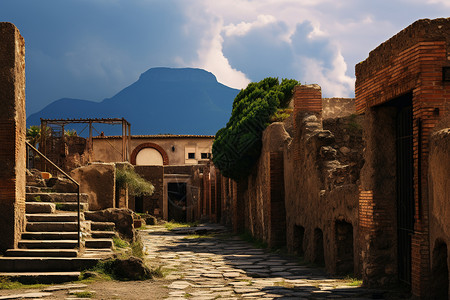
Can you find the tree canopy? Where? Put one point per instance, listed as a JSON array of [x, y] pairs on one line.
[[237, 146]]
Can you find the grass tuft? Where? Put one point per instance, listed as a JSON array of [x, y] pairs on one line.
[[352, 281], [84, 294], [120, 243], [7, 284]]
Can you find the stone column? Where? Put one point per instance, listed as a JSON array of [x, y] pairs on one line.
[[12, 136]]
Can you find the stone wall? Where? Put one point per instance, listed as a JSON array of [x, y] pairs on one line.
[[12, 136], [337, 107], [322, 166], [98, 180]]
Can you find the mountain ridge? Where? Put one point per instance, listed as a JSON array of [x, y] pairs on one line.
[[175, 100]]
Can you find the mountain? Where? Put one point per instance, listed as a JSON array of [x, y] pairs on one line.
[[162, 100]]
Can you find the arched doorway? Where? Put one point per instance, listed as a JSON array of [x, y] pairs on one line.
[[149, 157], [148, 154]]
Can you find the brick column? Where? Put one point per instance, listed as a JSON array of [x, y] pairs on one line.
[[12, 135], [307, 98]]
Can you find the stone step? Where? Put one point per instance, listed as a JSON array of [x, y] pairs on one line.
[[56, 197], [103, 234], [69, 206], [38, 189], [69, 235], [102, 226], [48, 244], [41, 253], [98, 243], [40, 207], [41, 277], [47, 264], [51, 226], [60, 217]]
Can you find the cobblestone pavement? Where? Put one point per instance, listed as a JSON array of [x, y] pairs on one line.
[[226, 267]]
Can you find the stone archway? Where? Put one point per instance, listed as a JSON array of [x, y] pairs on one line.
[[158, 148]]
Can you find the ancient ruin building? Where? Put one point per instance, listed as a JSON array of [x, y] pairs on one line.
[[383, 212], [403, 91]]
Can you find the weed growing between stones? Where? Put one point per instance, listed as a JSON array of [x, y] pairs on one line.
[[352, 281], [199, 236], [172, 225], [84, 294]]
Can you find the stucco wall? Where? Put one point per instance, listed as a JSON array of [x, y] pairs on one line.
[[108, 149]]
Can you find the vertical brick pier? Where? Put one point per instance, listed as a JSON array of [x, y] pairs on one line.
[[12, 135]]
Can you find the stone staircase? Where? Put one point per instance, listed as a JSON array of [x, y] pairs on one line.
[[48, 250]]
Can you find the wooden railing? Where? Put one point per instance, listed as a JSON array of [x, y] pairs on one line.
[[53, 165]]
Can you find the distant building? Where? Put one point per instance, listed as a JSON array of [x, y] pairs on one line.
[[155, 150]]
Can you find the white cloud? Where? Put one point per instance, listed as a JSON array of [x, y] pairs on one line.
[[211, 58], [244, 27], [443, 2]]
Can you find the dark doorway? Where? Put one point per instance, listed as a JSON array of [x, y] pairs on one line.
[[139, 204], [405, 184], [344, 245], [439, 272], [176, 192], [299, 236], [319, 258]]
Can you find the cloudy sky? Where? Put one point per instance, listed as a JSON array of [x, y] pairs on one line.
[[91, 49]]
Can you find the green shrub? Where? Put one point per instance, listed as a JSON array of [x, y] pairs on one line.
[[281, 114], [137, 185], [237, 146]]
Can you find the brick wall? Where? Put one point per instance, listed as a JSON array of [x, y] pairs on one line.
[[411, 62], [12, 135]]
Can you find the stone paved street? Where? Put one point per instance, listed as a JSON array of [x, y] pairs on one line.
[[225, 267]]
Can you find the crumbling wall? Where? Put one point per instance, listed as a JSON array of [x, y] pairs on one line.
[[322, 166]]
